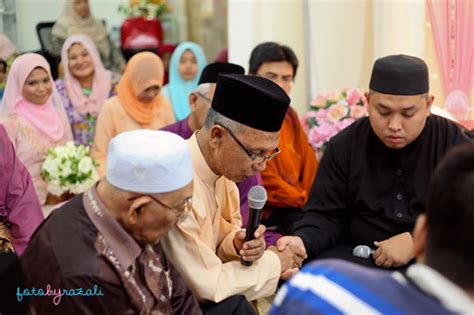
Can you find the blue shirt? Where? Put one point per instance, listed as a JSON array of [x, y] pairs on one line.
[[339, 287]]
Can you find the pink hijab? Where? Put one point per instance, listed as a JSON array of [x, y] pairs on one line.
[[101, 81], [45, 118]]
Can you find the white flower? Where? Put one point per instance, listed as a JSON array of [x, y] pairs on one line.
[[85, 165], [66, 168], [50, 166], [55, 189]]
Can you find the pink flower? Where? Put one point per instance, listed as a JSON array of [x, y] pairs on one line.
[[338, 112], [354, 96], [319, 135], [321, 115], [340, 125], [358, 111], [319, 101]]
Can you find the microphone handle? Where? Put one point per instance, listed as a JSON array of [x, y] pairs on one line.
[[255, 215]]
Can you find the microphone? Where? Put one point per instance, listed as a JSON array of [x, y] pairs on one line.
[[257, 197], [363, 251]]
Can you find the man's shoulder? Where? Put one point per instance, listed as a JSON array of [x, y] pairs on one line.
[[66, 236], [359, 131], [180, 128], [327, 286], [448, 131]]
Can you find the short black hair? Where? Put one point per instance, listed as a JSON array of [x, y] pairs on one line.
[[272, 52], [450, 217]]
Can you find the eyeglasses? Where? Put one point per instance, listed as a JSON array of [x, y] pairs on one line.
[[181, 213], [256, 158], [204, 97]]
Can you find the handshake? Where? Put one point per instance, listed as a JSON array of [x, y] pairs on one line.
[[290, 250]]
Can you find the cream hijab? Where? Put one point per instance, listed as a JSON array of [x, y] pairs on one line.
[[71, 23]]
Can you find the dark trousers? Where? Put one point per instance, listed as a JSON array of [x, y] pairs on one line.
[[235, 305]]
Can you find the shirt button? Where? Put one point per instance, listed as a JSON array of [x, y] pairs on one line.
[[399, 196], [399, 215], [399, 172]]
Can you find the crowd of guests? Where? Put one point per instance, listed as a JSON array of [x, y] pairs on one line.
[[163, 231]]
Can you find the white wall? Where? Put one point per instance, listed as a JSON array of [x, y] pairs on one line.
[[31, 12], [251, 22]]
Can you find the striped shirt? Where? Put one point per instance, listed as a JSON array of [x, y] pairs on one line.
[[339, 287]]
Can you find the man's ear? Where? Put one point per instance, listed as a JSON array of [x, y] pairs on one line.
[[367, 96], [217, 133], [193, 101], [429, 102], [130, 217], [420, 235]]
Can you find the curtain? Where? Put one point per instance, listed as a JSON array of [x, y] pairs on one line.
[[452, 24]]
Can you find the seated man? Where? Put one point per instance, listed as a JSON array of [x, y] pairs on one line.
[[237, 139], [373, 177], [287, 178], [441, 282], [104, 244], [200, 102], [20, 212]]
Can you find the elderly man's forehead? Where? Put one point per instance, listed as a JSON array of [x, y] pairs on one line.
[[259, 139]]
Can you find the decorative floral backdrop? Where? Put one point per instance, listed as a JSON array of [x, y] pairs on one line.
[[331, 112]]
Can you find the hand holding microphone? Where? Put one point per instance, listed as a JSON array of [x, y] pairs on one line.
[[395, 251], [253, 245]]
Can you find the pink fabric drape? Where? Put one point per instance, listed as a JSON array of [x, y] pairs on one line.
[[452, 22]]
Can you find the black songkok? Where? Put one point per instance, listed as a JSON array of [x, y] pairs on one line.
[[400, 75], [252, 101], [211, 71]]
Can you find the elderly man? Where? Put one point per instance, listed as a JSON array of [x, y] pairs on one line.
[[20, 212], [200, 102], [104, 244], [373, 178], [439, 283], [237, 139]]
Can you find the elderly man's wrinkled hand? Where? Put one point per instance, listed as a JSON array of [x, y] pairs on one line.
[[288, 258], [295, 242], [253, 249]]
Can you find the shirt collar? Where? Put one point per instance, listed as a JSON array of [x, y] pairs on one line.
[[449, 294], [122, 244], [200, 165]]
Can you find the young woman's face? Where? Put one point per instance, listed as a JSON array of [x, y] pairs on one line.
[[38, 87], [188, 66], [80, 64]]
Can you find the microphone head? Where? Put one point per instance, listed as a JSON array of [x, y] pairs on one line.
[[363, 251], [257, 197]]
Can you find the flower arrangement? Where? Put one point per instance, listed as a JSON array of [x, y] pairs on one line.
[[146, 8], [332, 112], [69, 169]]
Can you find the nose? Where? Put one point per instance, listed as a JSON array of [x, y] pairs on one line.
[[41, 87], [260, 167], [395, 123]]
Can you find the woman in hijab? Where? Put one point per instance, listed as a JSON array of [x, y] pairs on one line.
[[77, 19], [34, 116], [85, 87], [186, 66], [137, 105]]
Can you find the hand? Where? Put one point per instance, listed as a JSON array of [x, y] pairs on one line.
[[287, 274], [294, 241], [289, 259], [395, 251], [251, 250]]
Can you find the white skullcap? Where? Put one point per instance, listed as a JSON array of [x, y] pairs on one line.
[[149, 161]]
